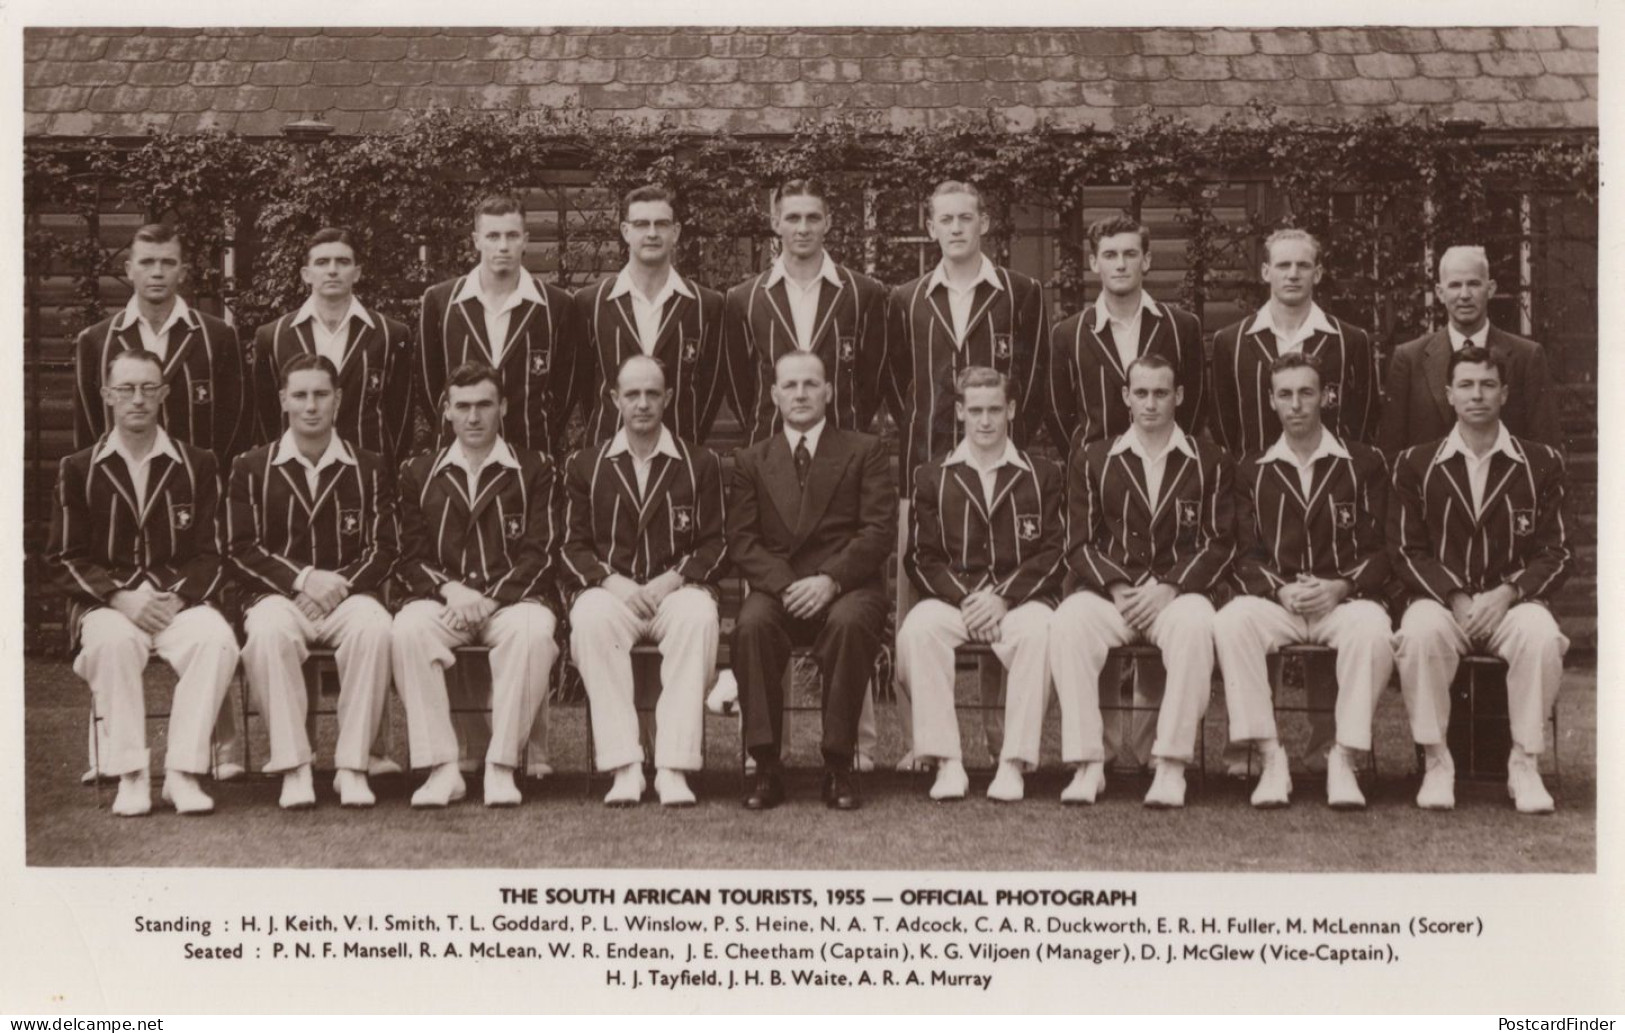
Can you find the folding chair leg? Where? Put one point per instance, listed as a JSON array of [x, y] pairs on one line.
[[991, 682]]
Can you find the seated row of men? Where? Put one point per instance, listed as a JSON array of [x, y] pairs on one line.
[[1154, 525]]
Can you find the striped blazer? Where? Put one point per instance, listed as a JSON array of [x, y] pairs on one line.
[[210, 403], [1008, 330], [499, 543], [1335, 533], [1437, 544], [102, 542], [275, 528], [689, 346], [958, 545], [541, 367], [677, 524], [1113, 534], [849, 334], [375, 376], [1240, 417], [1087, 377]]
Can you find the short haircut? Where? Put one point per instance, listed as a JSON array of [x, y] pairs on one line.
[[641, 358], [1475, 355], [649, 192], [796, 353], [954, 186], [1296, 360], [1112, 225], [134, 355], [1150, 360], [471, 373], [798, 188], [305, 361], [1472, 251], [332, 235], [499, 204], [1291, 233], [980, 376], [158, 233]]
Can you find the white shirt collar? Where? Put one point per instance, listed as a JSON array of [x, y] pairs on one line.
[[1454, 445], [1102, 316], [985, 273], [1458, 339], [1131, 440], [1281, 451], [357, 311], [161, 446], [1317, 321], [132, 312], [666, 446], [527, 290], [825, 271], [1011, 456], [812, 434], [674, 284], [455, 456], [287, 451]]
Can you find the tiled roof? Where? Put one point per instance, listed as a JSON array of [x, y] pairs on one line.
[[120, 82]]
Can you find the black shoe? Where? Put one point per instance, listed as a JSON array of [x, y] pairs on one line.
[[767, 793], [840, 790]]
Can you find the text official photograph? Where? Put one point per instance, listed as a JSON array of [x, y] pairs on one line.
[[939, 516]]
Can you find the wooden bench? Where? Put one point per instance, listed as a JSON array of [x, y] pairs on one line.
[[1480, 732]]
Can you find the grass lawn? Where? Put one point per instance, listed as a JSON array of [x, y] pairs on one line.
[[562, 824]]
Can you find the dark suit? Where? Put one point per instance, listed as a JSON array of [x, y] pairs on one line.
[[1416, 410], [842, 525]]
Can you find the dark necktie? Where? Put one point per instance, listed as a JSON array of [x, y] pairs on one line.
[[803, 461]]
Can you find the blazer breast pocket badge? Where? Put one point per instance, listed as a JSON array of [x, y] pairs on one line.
[[512, 526], [540, 362], [180, 516], [1028, 526], [1343, 515], [1523, 522], [1329, 396], [349, 522], [201, 394], [1001, 346], [690, 351], [375, 381], [1189, 512], [846, 349], [682, 519]]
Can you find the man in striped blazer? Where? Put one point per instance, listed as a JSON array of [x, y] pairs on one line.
[[643, 548], [649, 308], [500, 315], [965, 312], [1149, 536], [1476, 533], [1311, 562], [476, 550], [1240, 416], [806, 302], [310, 525], [136, 539], [1090, 351], [986, 549], [372, 352]]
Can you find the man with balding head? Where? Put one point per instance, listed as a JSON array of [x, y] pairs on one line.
[[1417, 410]]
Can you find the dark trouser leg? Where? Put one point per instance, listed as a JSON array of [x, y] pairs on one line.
[[846, 648], [761, 652]]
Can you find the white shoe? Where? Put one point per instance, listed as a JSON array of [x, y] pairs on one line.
[[184, 794], [1238, 760], [134, 795], [1167, 787], [468, 766], [1087, 785], [628, 787], [1528, 792], [724, 697], [862, 762], [1438, 792], [1342, 788], [382, 766], [1274, 787], [951, 783], [228, 771], [298, 790], [352, 787], [672, 788], [1007, 785], [500, 790], [750, 765], [444, 787]]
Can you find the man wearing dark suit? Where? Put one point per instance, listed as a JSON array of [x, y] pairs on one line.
[[1418, 409], [806, 302], [1240, 416], [500, 315], [310, 525], [648, 308], [135, 535], [372, 352], [1476, 533], [1090, 351], [811, 518], [644, 544], [477, 534]]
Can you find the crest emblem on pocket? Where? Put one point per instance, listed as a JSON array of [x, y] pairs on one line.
[[1329, 396], [847, 350], [1001, 346], [1343, 514], [512, 526], [1189, 512], [691, 351], [1523, 522], [375, 381], [201, 393], [539, 362], [180, 516], [1027, 526], [349, 521], [682, 519]]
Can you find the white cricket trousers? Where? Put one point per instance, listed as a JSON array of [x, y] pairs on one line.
[[113, 653], [1429, 647], [520, 637], [1086, 627], [602, 633], [279, 640], [932, 631], [1250, 627]]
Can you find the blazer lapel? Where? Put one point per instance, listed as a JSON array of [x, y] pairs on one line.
[[1289, 480], [517, 322], [354, 345], [982, 302], [157, 477], [455, 485], [970, 482], [1454, 471], [626, 478], [829, 295], [473, 312], [1502, 472], [1436, 366], [937, 298], [827, 466], [1177, 466], [118, 475], [660, 472], [294, 474], [1134, 470], [1005, 481], [1264, 341], [1327, 471], [1107, 347], [779, 472], [181, 337], [623, 307], [671, 322], [1151, 324], [305, 336], [491, 485], [778, 303]]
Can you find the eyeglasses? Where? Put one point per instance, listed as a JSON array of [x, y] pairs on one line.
[[644, 225], [125, 392]]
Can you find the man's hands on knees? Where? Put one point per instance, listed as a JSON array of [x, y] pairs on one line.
[[326, 588], [808, 597], [1312, 598], [1140, 605], [657, 590], [465, 609], [1480, 615], [984, 615], [634, 595], [152, 612]]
